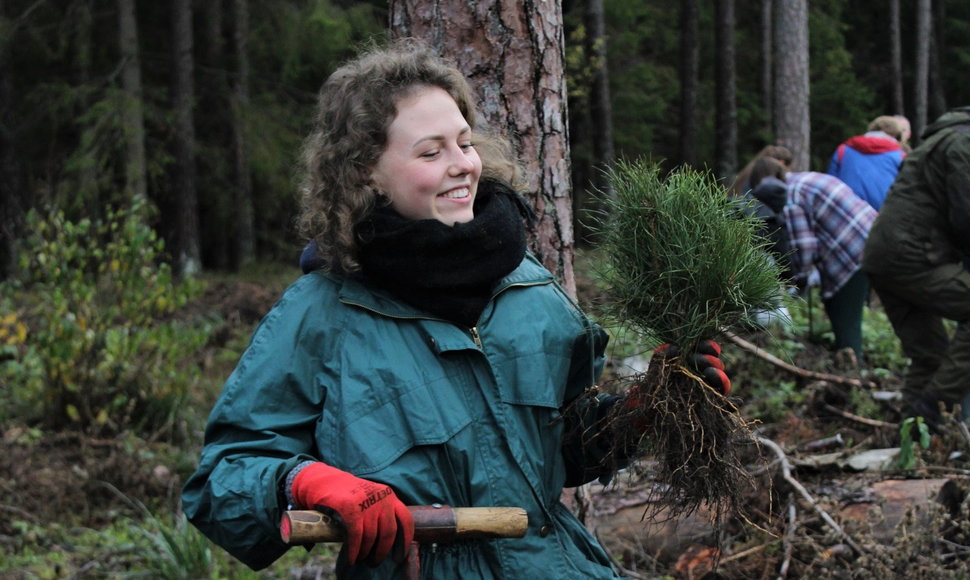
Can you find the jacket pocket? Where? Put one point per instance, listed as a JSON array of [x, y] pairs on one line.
[[365, 438]]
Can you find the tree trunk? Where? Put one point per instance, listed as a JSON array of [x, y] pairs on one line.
[[512, 53], [689, 67], [136, 172], [767, 62], [12, 202], [896, 58], [187, 252], [214, 131], [245, 237], [792, 123], [726, 121], [600, 110], [924, 31], [87, 190], [937, 91]]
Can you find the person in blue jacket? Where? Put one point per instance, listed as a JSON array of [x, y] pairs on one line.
[[426, 358], [868, 163]]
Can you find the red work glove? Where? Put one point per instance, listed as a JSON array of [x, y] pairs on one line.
[[375, 518], [705, 360]]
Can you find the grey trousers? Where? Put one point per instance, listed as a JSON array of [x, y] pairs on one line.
[[916, 305]]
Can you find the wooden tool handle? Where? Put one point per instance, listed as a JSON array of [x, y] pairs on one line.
[[432, 524]]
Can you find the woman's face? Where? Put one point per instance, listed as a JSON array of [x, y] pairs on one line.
[[430, 169]]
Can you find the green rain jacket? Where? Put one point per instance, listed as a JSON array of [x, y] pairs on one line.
[[344, 373], [925, 221]]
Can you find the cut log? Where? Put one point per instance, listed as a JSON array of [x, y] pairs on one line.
[[895, 496], [663, 538]]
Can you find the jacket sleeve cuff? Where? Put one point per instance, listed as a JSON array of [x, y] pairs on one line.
[[288, 484]]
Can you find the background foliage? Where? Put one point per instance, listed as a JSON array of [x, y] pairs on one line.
[[95, 345], [66, 118]]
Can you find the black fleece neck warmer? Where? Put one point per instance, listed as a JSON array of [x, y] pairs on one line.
[[448, 271]]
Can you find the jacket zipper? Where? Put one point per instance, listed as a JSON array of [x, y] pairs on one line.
[[476, 338]]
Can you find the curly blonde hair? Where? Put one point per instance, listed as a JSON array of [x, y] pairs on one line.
[[355, 107]]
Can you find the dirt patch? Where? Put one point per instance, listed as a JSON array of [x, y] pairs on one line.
[[75, 480], [240, 302]]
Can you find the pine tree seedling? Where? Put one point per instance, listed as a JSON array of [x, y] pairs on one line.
[[681, 264]]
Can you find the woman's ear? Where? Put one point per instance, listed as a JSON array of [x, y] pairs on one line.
[[380, 196], [373, 183]]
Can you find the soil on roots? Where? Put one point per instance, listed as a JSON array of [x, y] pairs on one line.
[[695, 435]]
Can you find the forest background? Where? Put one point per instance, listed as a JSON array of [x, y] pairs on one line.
[[216, 122], [149, 153]]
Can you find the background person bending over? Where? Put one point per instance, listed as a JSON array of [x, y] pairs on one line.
[[914, 258], [742, 181], [868, 163], [768, 197], [428, 359], [828, 225]]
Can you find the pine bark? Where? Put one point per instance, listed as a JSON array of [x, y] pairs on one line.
[[512, 53], [792, 119], [188, 254]]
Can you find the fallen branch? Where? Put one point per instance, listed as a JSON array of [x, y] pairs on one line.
[[945, 469], [789, 539], [786, 473], [745, 553], [763, 468], [858, 419], [955, 546], [765, 355], [16, 511]]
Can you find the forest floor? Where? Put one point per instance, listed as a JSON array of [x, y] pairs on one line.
[[828, 494]]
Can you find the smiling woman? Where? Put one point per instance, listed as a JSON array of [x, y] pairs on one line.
[[430, 169], [425, 357]]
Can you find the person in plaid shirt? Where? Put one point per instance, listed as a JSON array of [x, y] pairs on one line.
[[828, 225]]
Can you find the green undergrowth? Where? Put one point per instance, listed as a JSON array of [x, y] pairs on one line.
[[162, 548], [109, 365]]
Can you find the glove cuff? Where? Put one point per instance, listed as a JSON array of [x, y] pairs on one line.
[[288, 486]]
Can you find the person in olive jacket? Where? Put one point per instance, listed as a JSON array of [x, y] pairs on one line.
[[914, 258], [426, 358]]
